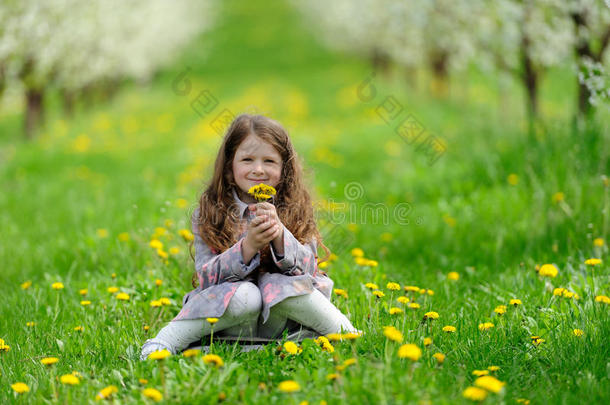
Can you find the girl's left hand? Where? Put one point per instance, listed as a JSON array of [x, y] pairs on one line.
[[268, 210]]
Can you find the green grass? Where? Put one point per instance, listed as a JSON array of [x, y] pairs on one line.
[[122, 166]]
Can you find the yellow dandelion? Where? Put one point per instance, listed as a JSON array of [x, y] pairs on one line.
[[578, 332], [512, 179], [85, 303], [599, 242], [357, 252], [156, 244], [403, 300], [165, 301], [558, 197], [453, 275], [427, 341], [395, 311], [603, 299], [515, 302], [439, 357], [122, 296], [261, 192], [158, 282], [378, 294], [537, 340], [112, 289], [292, 348], [489, 383], [153, 394], [479, 373], [47, 361], [174, 250], [593, 262], [26, 285], [83, 291], [393, 286], [493, 368], [340, 292], [411, 288], [332, 376], [159, 355], [392, 333], [523, 401], [20, 387], [191, 352], [162, 254], [186, 235], [559, 291], [500, 309], [474, 394], [548, 270], [143, 381], [146, 327], [155, 303], [123, 236], [409, 351], [102, 233], [486, 326], [449, 329], [289, 386], [78, 329], [414, 305], [107, 392], [69, 379], [57, 286], [431, 315], [213, 359], [349, 362], [211, 321]]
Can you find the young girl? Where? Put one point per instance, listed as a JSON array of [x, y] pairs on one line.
[[255, 263]]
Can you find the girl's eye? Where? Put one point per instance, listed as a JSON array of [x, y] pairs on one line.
[[247, 159], [269, 160]]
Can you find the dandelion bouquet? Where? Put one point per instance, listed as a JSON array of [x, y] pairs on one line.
[[262, 192]]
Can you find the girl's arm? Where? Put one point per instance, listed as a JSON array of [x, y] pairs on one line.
[[213, 268], [298, 259]]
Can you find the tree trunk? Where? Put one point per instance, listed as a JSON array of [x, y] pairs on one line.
[[380, 61], [439, 63], [34, 112], [529, 77], [68, 98]]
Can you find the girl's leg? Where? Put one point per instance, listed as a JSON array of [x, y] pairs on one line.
[[312, 310], [242, 311]]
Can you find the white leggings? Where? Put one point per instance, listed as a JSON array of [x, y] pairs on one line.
[[241, 318]]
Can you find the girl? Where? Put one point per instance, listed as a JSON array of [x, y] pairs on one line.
[[255, 263]]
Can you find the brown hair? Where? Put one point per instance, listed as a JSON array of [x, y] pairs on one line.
[[217, 219]]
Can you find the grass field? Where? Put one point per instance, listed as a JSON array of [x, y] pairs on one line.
[[80, 204]]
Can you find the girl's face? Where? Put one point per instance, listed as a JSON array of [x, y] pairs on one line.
[[256, 161]]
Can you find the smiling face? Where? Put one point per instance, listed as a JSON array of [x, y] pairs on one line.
[[256, 161]]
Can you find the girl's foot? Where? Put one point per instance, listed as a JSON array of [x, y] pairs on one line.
[[153, 345]]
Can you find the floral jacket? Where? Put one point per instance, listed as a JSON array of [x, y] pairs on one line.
[[220, 274]]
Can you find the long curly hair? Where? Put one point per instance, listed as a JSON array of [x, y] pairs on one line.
[[217, 220]]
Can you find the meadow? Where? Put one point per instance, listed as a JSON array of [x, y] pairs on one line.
[[492, 241]]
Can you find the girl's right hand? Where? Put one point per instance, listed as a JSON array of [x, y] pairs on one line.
[[261, 231]]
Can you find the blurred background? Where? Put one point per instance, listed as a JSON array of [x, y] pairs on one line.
[[463, 133]]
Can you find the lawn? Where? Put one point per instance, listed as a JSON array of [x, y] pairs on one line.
[[81, 202]]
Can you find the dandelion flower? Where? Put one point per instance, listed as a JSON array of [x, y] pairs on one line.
[[493, 368], [403, 300], [289, 386], [371, 286], [262, 192], [559, 291], [593, 262], [395, 311], [332, 376], [107, 392], [500, 309], [102, 233], [392, 333], [211, 321], [357, 252], [515, 302], [558, 197], [57, 286], [489, 383], [155, 244], [431, 315], [393, 286], [409, 351], [414, 305], [181, 203], [213, 359], [26, 285], [340, 292], [123, 236], [155, 303], [578, 332], [548, 270], [122, 296], [474, 394], [20, 387], [599, 242], [486, 326], [78, 328], [83, 291], [69, 379], [411, 288], [603, 299], [439, 357], [30, 324], [162, 254], [143, 381], [191, 352], [349, 362], [449, 329], [186, 235], [427, 341], [112, 289], [165, 301], [47, 361], [453, 275], [512, 179], [292, 348], [378, 294], [523, 401], [479, 373], [174, 250], [153, 394], [159, 354], [158, 282], [537, 340], [324, 343], [85, 303]]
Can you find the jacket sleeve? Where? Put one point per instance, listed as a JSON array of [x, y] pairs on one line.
[[298, 259], [213, 268]]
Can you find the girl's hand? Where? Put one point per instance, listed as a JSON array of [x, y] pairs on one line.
[[262, 230], [268, 210]]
